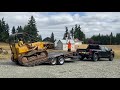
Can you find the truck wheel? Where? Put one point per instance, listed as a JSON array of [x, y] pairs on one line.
[[95, 57], [111, 58], [98, 58], [53, 61], [60, 60]]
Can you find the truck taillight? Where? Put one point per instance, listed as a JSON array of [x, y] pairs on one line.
[[90, 51]]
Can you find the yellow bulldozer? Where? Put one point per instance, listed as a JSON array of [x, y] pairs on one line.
[[26, 50]]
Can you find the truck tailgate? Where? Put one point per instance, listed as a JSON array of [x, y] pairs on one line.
[[81, 50]]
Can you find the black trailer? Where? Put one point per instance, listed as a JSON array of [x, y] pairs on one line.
[[60, 57]]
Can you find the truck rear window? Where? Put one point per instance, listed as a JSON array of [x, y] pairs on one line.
[[93, 47]]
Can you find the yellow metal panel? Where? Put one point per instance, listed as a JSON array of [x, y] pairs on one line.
[[39, 44], [21, 49]]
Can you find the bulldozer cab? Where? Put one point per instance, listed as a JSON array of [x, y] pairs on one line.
[[26, 38]]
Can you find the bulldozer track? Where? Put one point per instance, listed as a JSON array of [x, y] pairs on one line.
[[33, 59], [34, 62]]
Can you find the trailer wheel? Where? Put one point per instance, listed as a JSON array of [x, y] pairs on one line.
[[60, 60], [82, 58], [53, 61]]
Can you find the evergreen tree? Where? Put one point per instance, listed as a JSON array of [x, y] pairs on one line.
[[25, 28], [13, 30], [31, 28], [75, 33], [66, 33], [19, 29], [72, 32], [78, 33], [117, 38], [39, 38], [111, 38], [106, 39], [52, 38], [47, 39], [4, 31]]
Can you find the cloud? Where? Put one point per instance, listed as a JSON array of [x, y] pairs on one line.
[[48, 22]]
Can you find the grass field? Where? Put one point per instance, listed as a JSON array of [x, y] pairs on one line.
[[6, 47], [116, 49]]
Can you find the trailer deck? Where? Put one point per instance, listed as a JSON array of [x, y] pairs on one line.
[[68, 56], [57, 54]]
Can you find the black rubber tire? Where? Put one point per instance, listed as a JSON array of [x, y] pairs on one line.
[[53, 61], [111, 58], [60, 60], [95, 57], [82, 58], [98, 58]]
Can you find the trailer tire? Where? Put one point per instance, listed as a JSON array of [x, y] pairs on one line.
[[60, 60], [53, 61], [82, 58]]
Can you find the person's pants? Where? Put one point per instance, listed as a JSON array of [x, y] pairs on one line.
[[69, 50]]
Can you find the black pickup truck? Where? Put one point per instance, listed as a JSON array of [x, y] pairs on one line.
[[95, 52]]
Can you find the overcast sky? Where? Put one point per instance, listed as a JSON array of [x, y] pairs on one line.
[[92, 23]]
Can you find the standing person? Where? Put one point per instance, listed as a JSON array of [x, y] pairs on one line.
[[69, 46], [20, 42]]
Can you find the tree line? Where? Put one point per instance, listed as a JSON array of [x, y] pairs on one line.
[[29, 28], [106, 39], [74, 33], [77, 33]]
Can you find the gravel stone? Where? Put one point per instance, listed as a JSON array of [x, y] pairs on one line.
[[77, 69]]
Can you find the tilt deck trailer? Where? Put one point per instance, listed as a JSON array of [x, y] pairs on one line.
[[60, 57]]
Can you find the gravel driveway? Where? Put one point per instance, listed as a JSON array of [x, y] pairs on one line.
[[77, 69]]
